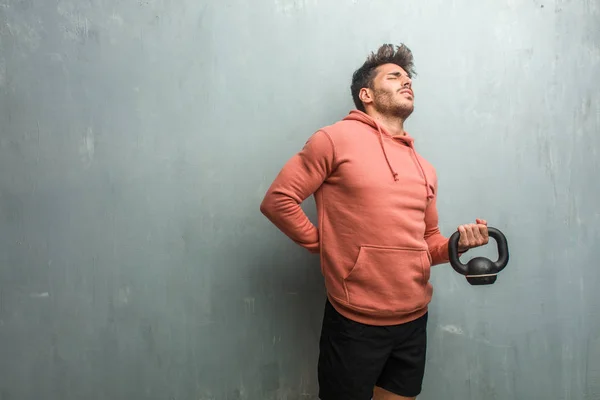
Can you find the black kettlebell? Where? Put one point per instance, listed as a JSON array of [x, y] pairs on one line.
[[480, 270]]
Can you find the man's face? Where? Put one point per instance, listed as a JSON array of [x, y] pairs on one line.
[[392, 92]]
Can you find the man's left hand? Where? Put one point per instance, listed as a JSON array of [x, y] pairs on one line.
[[473, 235]]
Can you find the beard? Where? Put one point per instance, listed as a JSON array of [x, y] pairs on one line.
[[386, 104]]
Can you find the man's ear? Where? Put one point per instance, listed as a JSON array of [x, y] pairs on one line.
[[365, 95]]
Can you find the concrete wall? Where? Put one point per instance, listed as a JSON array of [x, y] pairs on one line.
[[138, 138]]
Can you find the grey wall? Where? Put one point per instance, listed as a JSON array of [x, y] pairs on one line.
[[138, 138]]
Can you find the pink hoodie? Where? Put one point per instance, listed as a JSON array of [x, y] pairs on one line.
[[377, 232]]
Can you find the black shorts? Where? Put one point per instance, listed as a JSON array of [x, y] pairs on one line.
[[354, 357]]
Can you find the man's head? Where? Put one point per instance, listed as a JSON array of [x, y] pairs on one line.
[[383, 83]]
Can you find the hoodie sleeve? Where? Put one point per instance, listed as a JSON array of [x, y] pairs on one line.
[[299, 178], [437, 243]]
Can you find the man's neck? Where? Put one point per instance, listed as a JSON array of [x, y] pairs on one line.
[[394, 125]]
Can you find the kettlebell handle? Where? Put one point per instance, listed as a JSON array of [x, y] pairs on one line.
[[463, 269]]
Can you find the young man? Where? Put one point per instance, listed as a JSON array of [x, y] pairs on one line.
[[377, 235]]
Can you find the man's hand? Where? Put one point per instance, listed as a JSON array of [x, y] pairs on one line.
[[472, 235]]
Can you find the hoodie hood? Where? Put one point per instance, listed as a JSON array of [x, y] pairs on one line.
[[407, 140], [357, 115]]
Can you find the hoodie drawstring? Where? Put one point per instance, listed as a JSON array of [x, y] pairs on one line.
[[394, 173], [416, 158], [360, 116], [428, 189]]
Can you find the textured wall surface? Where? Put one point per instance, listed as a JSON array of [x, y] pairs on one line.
[[137, 139]]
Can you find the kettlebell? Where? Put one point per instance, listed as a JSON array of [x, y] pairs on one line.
[[480, 270]]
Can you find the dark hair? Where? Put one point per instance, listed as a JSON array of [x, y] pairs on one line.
[[386, 54]]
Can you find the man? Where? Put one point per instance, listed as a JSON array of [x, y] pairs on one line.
[[377, 235]]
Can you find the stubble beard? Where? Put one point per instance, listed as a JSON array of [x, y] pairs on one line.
[[385, 104]]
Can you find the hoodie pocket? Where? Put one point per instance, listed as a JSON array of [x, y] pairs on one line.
[[389, 279]]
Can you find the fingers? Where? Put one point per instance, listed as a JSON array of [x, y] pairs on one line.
[[483, 232], [463, 241], [473, 235]]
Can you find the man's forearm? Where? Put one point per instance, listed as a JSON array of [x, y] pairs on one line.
[[438, 247], [299, 178], [287, 215]]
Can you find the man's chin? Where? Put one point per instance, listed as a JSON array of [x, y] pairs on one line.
[[404, 111]]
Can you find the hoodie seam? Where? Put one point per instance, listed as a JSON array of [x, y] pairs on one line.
[[321, 194], [334, 158]]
